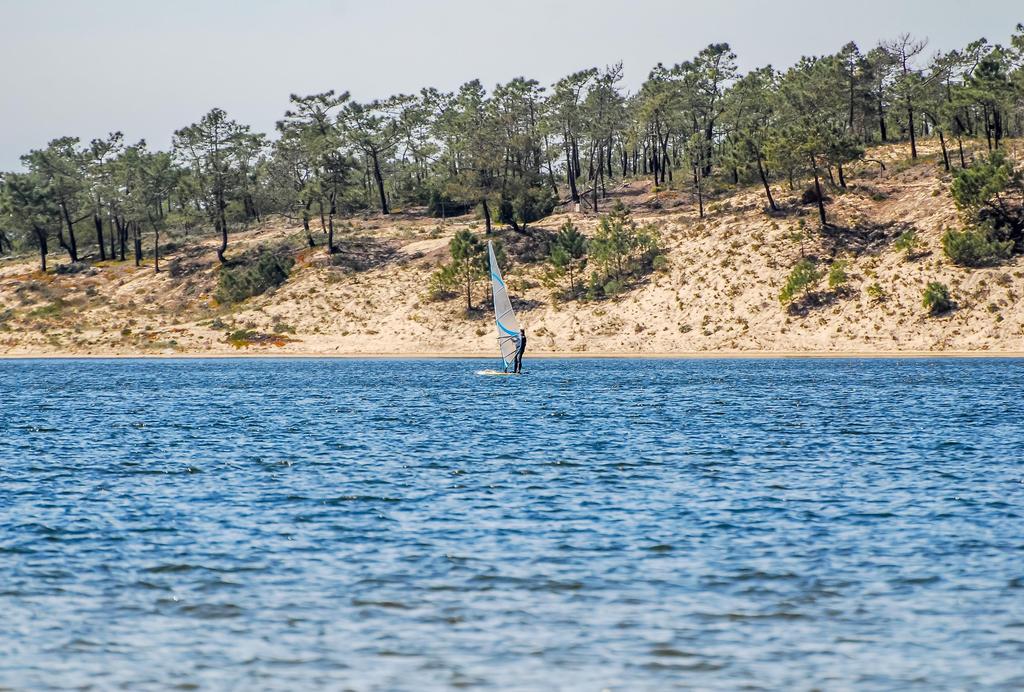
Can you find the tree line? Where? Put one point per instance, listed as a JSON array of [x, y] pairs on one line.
[[518, 150]]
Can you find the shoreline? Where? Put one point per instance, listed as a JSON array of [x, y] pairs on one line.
[[540, 355]]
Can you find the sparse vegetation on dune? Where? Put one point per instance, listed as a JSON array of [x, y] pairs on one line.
[[674, 219], [718, 290]]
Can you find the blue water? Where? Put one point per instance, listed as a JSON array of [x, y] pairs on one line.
[[617, 524]]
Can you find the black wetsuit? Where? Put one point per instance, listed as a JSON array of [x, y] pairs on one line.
[[518, 363]]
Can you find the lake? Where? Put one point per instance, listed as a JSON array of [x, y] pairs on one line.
[[406, 524]]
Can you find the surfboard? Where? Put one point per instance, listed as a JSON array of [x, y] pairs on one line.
[[496, 372]]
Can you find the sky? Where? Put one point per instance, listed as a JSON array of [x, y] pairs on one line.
[[148, 67]]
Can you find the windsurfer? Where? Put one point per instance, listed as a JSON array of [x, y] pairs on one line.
[[521, 343]]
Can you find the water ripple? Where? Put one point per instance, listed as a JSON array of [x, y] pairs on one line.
[[595, 524]]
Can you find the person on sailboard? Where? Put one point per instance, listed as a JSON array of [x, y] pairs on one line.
[[521, 343]]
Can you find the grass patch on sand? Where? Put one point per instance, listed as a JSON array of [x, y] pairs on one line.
[[243, 338]]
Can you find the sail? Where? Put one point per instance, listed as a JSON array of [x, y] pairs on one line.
[[504, 315]]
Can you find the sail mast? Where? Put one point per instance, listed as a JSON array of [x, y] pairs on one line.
[[504, 316]]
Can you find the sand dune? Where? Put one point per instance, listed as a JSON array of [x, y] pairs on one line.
[[718, 295]]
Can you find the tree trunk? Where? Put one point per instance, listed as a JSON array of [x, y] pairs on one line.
[[698, 176], [377, 176], [122, 236], [332, 212], [945, 154], [222, 248], [988, 129], [137, 242], [576, 158], [98, 222], [913, 137], [709, 133], [960, 146], [767, 188], [487, 216], [222, 220], [305, 224], [817, 189], [849, 121], [113, 237], [570, 175], [666, 158], [41, 237], [881, 122], [71, 248], [654, 165], [842, 178], [551, 177], [156, 248]]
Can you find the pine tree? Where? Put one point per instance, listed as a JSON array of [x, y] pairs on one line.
[[29, 205], [568, 253], [211, 149]]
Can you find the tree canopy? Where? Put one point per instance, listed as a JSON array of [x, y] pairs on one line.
[[517, 150]]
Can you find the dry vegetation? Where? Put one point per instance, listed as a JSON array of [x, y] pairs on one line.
[[719, 292]]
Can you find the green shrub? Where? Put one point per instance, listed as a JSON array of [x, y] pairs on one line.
[[803, 276], [991, 192], [907, 243], [876, 293], [527, 206], [567, 255], [235, 284], [837, 276], [443, 283], [622, 252], [440, 204], [241, 337], [936, 298], [975, 248], [613, 287], [47, 311], [619, 246], [469, 262]]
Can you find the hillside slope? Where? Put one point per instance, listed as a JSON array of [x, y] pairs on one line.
[[719, 292]]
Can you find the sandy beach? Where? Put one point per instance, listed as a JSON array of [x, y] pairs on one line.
[[701, 355]]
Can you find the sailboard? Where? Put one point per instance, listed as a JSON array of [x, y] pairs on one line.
[[504, 317]]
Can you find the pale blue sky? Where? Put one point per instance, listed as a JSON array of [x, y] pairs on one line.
[[146, 67]]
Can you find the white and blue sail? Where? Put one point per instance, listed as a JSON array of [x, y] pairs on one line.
[[504, 315]]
